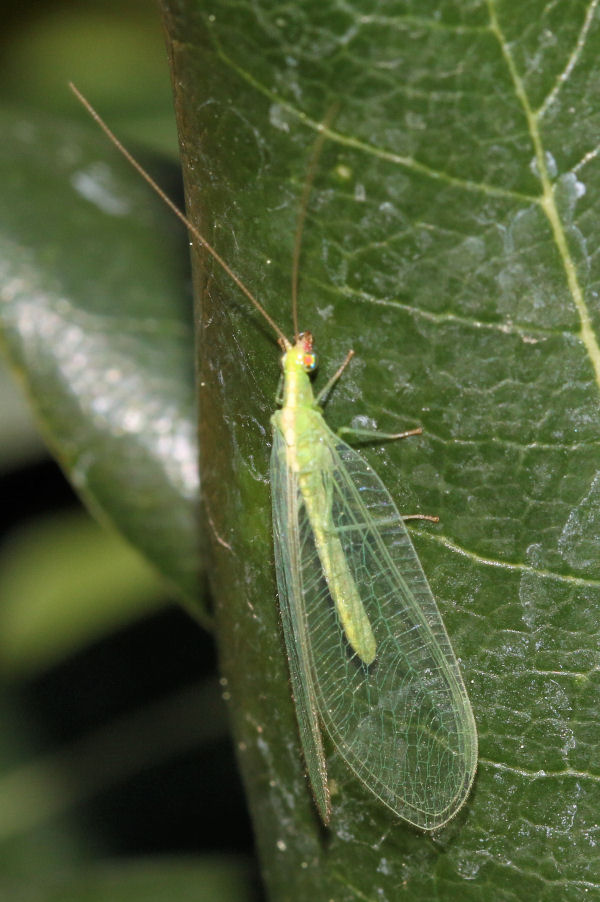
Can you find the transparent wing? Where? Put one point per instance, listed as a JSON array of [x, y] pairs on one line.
[[403, 723], [291, 603]]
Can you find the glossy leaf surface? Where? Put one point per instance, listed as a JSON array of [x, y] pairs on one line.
[[97, 324], [450, 241]]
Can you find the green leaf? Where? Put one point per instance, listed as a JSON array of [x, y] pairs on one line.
[[113, 51], [20, 437], [65, 581], [207, 880], [450, 241], [96, 321]]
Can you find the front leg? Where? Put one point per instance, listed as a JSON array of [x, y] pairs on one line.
[[327, 388]]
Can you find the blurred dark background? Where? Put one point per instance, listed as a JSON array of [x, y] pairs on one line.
[[114, 739]]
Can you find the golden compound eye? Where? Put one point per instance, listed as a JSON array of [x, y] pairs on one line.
[[309, 362]]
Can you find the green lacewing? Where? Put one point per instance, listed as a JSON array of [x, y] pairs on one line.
[[369, 657]]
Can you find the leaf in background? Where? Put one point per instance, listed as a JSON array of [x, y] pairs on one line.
[[64, 582], [451, 242], [20, 438], [113, 50], [96, 320], [226, 879]]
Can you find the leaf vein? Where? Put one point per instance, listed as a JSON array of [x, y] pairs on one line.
[[516, 566], [572, 61], [548, 201]]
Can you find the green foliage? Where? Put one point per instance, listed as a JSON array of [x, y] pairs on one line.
[[451, 242], [64, 582], [210, 880], [97, 324]]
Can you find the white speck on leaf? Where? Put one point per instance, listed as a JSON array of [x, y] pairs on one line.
[[277, 118]]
